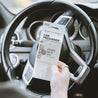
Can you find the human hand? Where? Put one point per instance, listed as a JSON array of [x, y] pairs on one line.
[[59, 81]]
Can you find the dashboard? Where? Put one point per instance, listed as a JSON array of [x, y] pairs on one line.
[[30, 29]]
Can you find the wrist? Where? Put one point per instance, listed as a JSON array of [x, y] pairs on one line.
[[59, 94]]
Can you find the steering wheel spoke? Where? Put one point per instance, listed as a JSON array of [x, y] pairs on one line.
[[83, 69], [23, 43]]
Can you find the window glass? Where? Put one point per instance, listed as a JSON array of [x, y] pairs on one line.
[[16, 5]]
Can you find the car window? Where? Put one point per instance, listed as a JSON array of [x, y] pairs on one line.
[[16, 5]]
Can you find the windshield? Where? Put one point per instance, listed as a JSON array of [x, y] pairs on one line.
[[16, 5]]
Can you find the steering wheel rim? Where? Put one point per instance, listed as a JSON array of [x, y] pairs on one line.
[[49, 4]]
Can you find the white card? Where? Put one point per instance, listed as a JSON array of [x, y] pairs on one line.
[[48, 50]]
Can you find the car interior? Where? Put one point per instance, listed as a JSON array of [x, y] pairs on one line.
[[19, 38]]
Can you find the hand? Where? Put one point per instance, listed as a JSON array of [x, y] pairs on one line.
[[59, 81]]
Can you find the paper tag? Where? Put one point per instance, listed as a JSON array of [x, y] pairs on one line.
[[27, 73], [48, 50]]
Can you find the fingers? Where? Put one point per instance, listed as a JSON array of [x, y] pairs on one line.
[[60, 63], [62, 66]]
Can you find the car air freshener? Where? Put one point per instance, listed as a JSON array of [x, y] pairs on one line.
[[48, 50]]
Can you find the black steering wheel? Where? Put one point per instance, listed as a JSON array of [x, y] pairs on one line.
[[69, 12]]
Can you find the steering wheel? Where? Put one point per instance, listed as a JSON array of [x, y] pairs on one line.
[[70, 12]]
